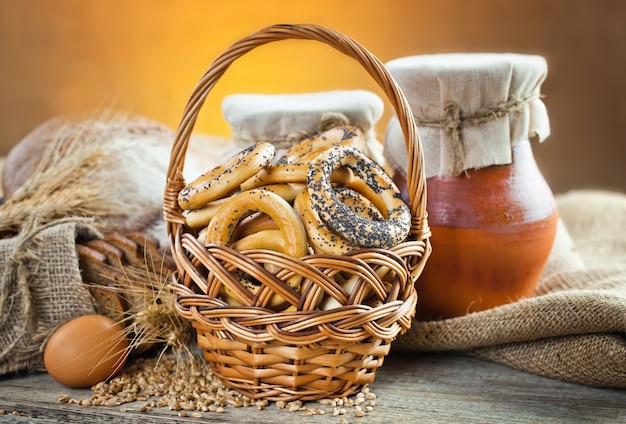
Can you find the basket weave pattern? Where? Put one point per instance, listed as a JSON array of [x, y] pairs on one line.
[[304, 353]]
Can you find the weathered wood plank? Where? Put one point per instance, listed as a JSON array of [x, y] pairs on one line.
[[433, 388]]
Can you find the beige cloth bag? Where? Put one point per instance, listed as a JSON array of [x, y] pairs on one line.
[[574, 328]]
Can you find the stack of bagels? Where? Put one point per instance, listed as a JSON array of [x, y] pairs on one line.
[[323, 196]]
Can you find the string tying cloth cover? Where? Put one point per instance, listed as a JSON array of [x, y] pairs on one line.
[[469, 108]]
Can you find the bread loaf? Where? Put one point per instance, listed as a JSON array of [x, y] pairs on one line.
[[131, 174], [108, 303]]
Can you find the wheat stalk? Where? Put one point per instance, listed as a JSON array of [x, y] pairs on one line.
[[63, 183]]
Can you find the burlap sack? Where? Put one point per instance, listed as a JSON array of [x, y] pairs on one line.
[[41, 288], [574, 328]]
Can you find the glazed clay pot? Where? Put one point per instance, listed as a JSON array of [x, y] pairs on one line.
[[492, 215], [492, 232]]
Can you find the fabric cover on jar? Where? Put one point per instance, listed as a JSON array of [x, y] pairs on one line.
[[470, 109], [286, 119]]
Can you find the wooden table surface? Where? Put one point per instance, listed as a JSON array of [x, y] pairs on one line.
[[417, 388]]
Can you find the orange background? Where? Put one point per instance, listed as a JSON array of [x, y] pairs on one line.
[[145, 56]]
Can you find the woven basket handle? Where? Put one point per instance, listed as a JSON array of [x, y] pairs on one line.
[[415, 179]]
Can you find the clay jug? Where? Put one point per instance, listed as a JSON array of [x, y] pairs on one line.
[[492, 214]]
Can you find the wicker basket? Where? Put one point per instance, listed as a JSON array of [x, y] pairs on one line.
[[308, 353]]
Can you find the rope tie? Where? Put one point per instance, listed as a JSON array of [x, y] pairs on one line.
[[455, 120]]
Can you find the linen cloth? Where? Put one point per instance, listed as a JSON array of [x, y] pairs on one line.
[[470, 108], [286, 119], [574, 327]]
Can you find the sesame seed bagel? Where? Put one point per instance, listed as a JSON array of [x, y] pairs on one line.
[[320, 237], [264, 239], [308, 149], [226, 178], [277, 174], [358, 203], [345, 177], [199, 218], [251, 224], [287, 191], [241, 205], [343, 220]]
